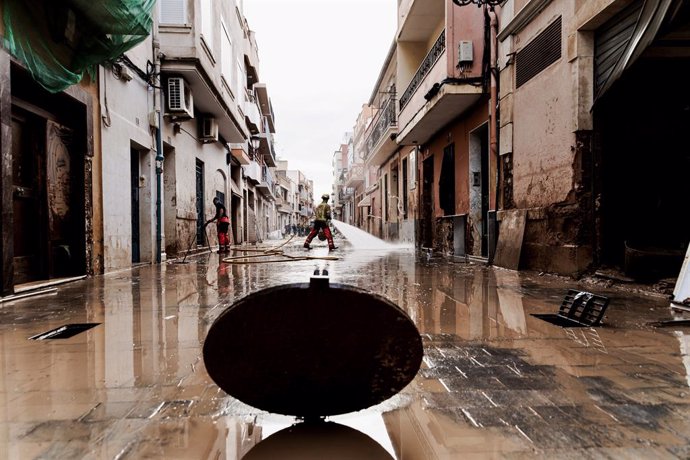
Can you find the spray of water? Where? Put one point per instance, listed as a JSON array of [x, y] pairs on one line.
[[360, 239]]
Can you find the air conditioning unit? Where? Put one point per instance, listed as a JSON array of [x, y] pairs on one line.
[[208, 130], [180, 101]]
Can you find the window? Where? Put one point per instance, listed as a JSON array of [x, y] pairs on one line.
[[226, 57], [173, 11], [207, 23]]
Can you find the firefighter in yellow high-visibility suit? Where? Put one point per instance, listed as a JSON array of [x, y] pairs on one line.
[[322, 218]]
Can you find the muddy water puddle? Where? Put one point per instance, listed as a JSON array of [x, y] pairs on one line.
[[495, 381]]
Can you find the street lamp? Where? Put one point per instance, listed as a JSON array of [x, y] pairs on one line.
[[491, 3], [256, 142]]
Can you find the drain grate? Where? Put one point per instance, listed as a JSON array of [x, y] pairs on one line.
[[64, 332], [579, 309]]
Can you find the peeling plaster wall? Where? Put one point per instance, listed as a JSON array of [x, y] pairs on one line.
[[458, 133], [545, 141], [126, 113], [543, 123], [187, 150]]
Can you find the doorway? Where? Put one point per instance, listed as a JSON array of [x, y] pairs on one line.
[[479, 192], [643, 157], [235, 207], [427, 213], [134, 186], [200, 238], [28, 198]]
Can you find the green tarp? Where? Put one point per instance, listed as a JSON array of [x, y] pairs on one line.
[[60, 40]]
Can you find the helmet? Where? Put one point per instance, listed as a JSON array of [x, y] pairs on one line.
[[325, 196]]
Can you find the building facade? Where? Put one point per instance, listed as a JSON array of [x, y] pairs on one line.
[[593, 153], [487, 120], [122, 168]]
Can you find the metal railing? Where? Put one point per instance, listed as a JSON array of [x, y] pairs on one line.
[[267, 178], [386, 117], [356, 172], [424, 68]]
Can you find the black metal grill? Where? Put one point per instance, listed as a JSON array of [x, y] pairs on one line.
[[64, 332], [578, 309], [541, 52]]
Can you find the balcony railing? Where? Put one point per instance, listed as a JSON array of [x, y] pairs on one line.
[[385, 118], [424, 68], [356, 173], [267, 177]]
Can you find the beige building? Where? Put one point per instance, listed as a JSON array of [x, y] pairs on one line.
[[593, 149], [134, 157]]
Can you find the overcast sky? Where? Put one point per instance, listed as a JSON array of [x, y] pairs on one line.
[[320, 60]]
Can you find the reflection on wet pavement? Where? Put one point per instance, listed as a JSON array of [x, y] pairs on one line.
[[495, 381]]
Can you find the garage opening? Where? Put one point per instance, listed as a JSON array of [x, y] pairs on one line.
[[642, 127]]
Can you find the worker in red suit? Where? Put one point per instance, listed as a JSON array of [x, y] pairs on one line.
[[222, 225]]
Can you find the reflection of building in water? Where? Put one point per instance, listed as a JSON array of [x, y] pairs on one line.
[[481, 304], [139, 368]]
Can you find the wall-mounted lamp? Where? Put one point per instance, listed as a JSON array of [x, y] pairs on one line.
[[256, 142]]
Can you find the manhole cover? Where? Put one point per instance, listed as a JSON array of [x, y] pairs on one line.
[[312, 351]]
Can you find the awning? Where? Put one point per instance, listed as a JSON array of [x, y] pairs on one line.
[[365, 202]]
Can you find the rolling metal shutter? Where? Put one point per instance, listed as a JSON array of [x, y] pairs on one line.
[[623, 39]]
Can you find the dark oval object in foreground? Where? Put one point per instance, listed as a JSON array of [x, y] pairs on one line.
[[312, 351], [327, 440]]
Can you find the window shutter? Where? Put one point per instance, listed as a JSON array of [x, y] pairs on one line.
[[173, 12]]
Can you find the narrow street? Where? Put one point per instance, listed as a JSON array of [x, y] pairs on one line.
[[495, 381]]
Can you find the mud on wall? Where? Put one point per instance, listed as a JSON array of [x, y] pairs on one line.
[[560, 237], [458, 134]]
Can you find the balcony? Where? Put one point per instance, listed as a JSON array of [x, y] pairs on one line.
[[418, 19], [434, 98], [266, 148], [267, 185], [425, 67], [251, 60], [240, 153], [265, 105], [380, 143], [253, 172], [251, 112], [188, 55], [355, 176]]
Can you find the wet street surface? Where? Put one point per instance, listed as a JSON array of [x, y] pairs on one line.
[[495, 382]]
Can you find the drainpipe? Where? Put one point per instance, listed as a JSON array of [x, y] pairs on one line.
[[493, 69], [158, 107], [495, 117]]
